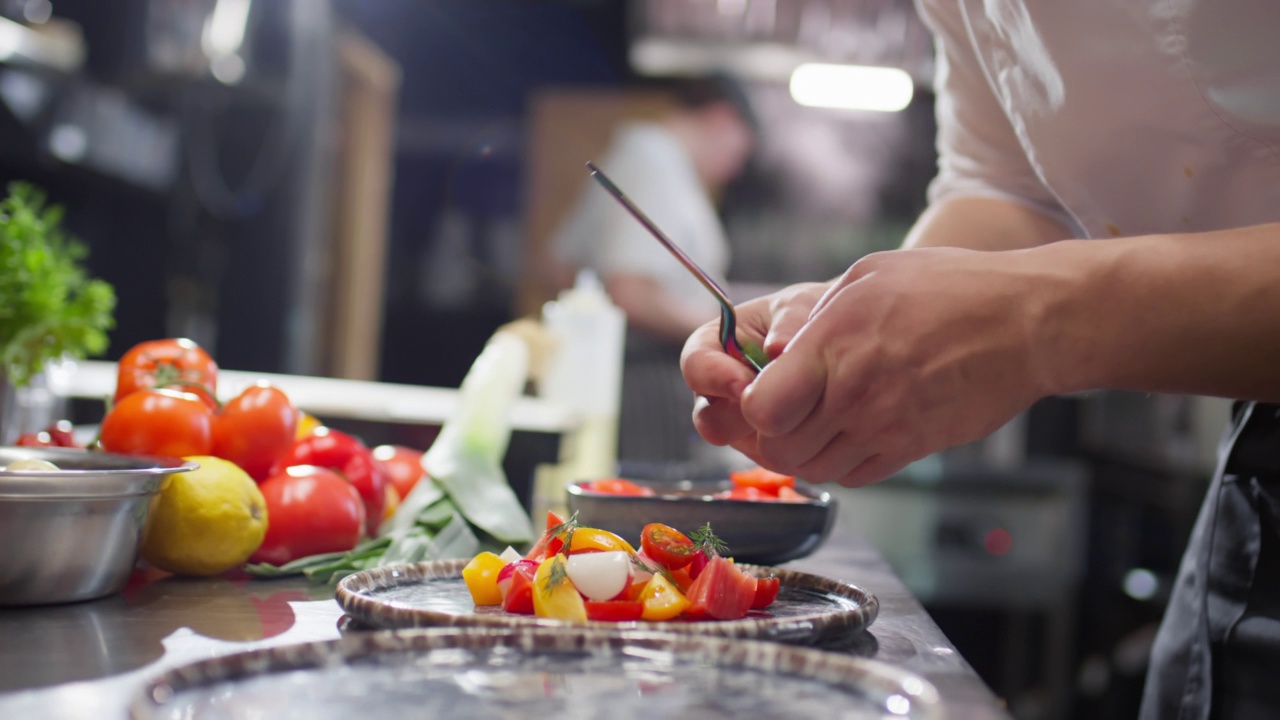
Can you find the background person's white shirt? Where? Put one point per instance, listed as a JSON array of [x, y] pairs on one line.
[[1117, 118], [649, 164]]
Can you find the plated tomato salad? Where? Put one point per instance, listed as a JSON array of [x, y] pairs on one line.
[[577, 574]]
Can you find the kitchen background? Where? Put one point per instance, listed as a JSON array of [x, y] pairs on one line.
[[343, 187]]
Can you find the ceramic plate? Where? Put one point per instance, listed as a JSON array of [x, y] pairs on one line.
[[808, 609], [536, 672]]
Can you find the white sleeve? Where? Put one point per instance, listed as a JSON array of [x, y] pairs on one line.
[[979, 153]]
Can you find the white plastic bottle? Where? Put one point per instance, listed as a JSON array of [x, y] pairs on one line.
[[584, 374]]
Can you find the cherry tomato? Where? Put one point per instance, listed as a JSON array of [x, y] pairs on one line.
[[614, 610], [178, 363], [310, 510], [402, 466], [255, 429], [766, 592], [158, 422], [35, 439], [617, 486], [666, 545], [60, 434], [339, 451], [766, 481]]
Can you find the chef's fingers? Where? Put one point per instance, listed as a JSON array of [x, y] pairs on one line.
[[709, 370], [837, 459], [719, 421]]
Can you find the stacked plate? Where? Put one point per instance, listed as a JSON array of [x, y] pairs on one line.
[[445, 657]]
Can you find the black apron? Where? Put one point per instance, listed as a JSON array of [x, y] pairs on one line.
[[1217, 655]]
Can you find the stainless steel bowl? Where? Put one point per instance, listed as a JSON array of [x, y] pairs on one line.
[[73, 534]]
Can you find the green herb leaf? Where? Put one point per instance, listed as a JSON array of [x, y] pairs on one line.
[[49, 308], [706, 541], [558, 573]]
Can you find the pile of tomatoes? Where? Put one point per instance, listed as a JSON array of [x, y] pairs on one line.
[[758, 484], [325, 490], [578, 574]]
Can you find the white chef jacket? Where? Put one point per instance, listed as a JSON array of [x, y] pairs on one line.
[[1126, 117], [651, 166]]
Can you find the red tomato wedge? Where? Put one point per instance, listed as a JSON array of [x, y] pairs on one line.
[[614, 610], [519, 597], [617, 486], [539, 551], [722, 591], [700, 560], [766, 592], [766, 481], [684, 580], [786, 494], [746, 493], [667, 545]]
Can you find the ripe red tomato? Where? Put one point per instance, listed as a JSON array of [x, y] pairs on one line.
[[59, 434], [666, 545], [348, 456], [310, 510], [255, 429], [766, 481], [617, 486], [34, 439], [402, 466], [722, 591], [158, 422], [177, 362]]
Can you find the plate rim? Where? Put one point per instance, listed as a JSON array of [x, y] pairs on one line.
[[807, 628], [838, 669]]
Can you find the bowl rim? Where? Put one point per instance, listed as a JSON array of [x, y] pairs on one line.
[[816, 497], [132, 474]]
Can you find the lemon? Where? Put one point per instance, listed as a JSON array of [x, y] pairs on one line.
[[206, 521]]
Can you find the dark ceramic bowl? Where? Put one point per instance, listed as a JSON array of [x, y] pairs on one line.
[[760, 532]]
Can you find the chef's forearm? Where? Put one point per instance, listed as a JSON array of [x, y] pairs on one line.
[[983, 223], [1197, 314]]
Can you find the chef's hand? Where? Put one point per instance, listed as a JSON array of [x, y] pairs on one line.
[[719, 379], [908, 353]]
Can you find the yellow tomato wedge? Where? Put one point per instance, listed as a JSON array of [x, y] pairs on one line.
[[481, 577], [662, 600], [553, 595], [585, 538]]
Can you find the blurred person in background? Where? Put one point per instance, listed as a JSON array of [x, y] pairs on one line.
[[673, 168], [1154, 128]]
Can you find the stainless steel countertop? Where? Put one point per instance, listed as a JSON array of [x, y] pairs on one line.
[[86, 660]]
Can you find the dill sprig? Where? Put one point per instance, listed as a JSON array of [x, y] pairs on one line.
[[652, 567], [557, 574], [707, 541], [567, 526]]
